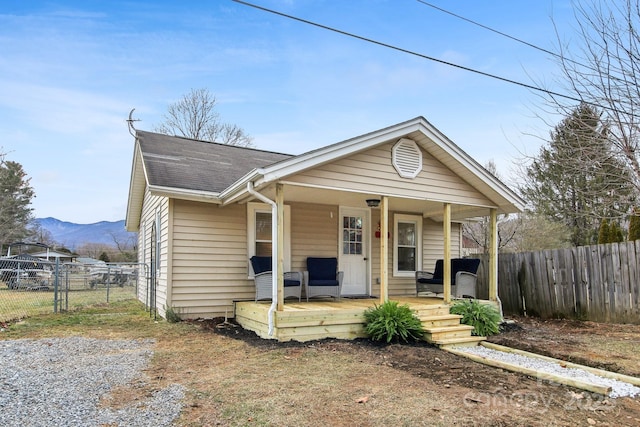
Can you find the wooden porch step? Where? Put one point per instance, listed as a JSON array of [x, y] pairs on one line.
[[426, 311], [443, 333], [440, 321], [470, 341]]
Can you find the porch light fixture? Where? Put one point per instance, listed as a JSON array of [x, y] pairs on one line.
[[373, 203]]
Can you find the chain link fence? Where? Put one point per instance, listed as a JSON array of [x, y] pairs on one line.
[[31, 286]]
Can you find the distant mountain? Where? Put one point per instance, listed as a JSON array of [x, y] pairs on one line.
[[73, 235]]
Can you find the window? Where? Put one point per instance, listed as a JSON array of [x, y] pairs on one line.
[[259, 238], [407, 259], [263, 234]]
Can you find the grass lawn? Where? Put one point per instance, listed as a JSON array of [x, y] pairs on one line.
[[235, 379], [18, 304]]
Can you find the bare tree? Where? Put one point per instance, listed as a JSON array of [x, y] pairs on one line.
[[536, 233], [93, 250], [126, 247], [478, 231], [601, 67], [42, 235], [194, 116]]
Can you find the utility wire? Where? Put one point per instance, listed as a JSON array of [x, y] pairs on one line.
[[430, 58], [490, 29], [493, 30]]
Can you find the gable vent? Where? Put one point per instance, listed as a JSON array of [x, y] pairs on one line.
[[406, 158]]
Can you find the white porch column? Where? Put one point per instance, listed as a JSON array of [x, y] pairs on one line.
[[280, 244], [493, 254], [446, 267], [384, 249]]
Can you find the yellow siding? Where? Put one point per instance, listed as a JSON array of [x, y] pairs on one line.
[[153, 205], [208, 266], [209, 262], [314, 232], [373, 172], [432, 249]]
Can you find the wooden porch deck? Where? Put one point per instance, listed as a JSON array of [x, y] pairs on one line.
[[344, 319]]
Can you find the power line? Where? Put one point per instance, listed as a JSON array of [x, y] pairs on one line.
[[493, 30], [490, 29], [430, 58]]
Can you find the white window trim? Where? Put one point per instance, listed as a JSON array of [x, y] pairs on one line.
[[417, 219], [252, 208]]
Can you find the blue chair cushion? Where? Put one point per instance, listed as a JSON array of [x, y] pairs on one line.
[[261, 264], [464, 264], [322, 269], [289, 282], [438, 273], [430, 281]]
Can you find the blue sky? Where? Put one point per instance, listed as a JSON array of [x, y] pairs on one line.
[[70, 72]]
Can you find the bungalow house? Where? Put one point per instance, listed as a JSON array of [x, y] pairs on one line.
[[203, 209]]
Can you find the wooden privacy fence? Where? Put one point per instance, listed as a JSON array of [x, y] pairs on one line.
[[598, 282]]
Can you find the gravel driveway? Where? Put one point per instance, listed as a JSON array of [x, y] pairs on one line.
[[59, 381]]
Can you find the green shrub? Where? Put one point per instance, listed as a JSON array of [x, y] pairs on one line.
[[484, 318], [392, 322], [172, 315]]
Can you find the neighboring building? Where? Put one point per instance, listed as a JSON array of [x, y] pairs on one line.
[[203, 209], [53, 255]]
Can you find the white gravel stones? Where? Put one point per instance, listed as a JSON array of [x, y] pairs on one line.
[[618, 388], [59, 381]]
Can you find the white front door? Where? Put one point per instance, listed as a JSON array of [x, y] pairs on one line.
[[354, 250]]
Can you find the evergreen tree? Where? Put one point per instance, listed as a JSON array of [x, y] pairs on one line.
[[603, 232], [576, 179], [104, 257], [634, 227], [15, 202], [615, 233]]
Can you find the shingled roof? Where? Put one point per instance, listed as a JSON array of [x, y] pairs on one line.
[[182, 163]]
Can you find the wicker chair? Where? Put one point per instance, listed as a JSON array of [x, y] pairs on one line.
[[322, 278], [264, 279], [463, 278]]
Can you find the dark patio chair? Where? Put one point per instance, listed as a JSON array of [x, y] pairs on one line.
[[463, 278], [263, 278], [322, 278]]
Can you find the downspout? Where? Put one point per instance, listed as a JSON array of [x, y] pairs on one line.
[[274, 254]]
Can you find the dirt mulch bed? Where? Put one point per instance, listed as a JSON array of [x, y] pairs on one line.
[[335, 382]]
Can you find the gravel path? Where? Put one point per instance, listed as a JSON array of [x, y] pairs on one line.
[[59, 381], [618, 388]]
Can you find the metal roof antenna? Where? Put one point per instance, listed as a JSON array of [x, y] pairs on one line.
[[130, 120]]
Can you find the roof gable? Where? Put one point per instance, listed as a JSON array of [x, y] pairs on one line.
[[430, 139], [372, 172]]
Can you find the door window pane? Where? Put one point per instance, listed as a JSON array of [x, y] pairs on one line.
[[352, 235]]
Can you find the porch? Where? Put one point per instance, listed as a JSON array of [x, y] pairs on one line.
[[344, 319]]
